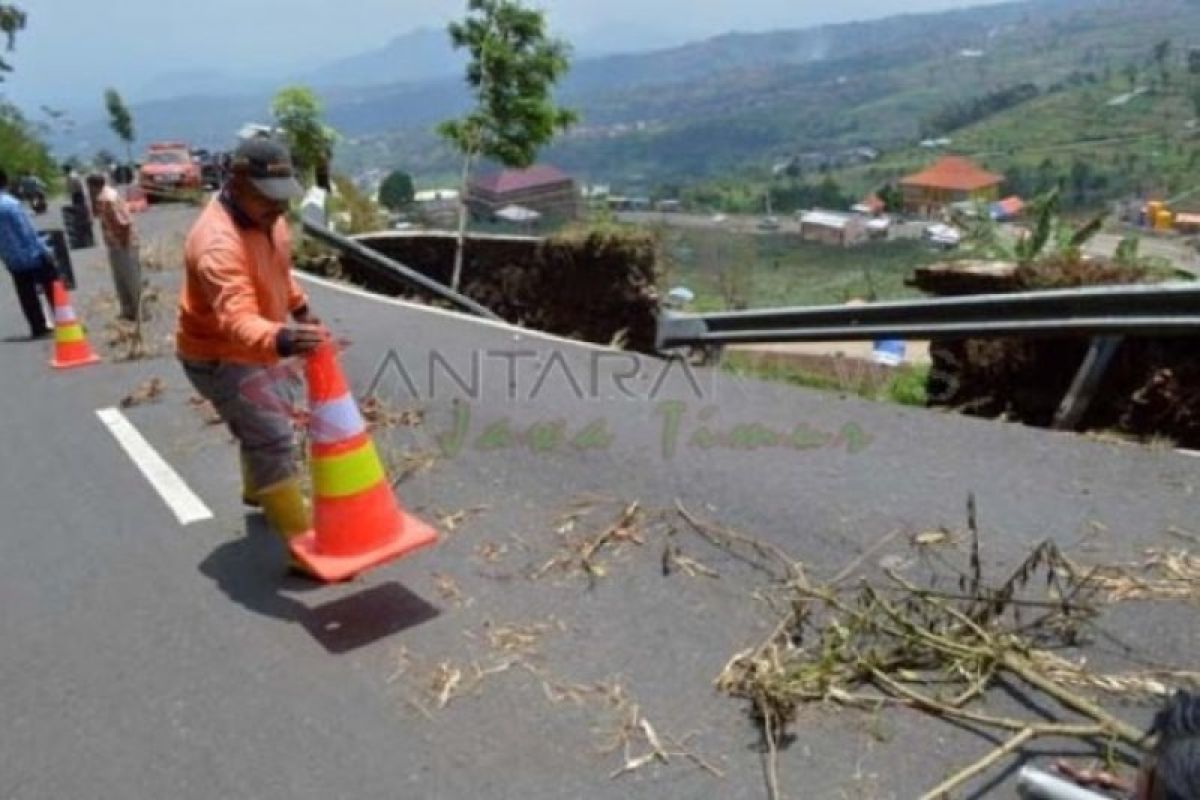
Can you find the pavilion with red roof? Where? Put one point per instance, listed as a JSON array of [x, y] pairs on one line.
[[952, 179]]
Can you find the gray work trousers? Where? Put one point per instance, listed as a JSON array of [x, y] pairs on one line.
[[254, 402], [127, 279]]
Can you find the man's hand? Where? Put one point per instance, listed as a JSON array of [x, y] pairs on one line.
[[300, 340], [305, 317], [1092, 777]]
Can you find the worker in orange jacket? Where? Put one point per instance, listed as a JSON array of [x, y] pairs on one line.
[[234, 309]]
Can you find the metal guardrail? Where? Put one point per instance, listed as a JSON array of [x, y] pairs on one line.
[[1107, 315], [1156, 310], [393, 271]]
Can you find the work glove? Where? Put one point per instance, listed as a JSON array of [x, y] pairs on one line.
[[299, 339]]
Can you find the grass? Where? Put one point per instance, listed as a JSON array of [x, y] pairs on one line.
[[730, 270], [1100, 151], [904, 385]]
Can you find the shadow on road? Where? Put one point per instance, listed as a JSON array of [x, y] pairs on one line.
[[247, 570]]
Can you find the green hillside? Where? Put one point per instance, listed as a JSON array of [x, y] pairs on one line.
[[1077, 138], [739, 120]]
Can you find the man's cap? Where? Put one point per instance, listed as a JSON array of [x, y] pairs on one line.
[[268, 164]]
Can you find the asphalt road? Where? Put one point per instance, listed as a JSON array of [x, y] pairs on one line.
[[788, 224], [140, 658], [1176, 251]]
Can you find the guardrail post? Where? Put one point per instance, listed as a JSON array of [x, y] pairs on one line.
[[1087, 381]]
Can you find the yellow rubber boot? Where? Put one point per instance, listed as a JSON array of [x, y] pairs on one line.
[[249, 493], [288, 514]]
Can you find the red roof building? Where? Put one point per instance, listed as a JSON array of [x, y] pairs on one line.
[[545, 189], [952, 179], [870, 205], [1009, 208]]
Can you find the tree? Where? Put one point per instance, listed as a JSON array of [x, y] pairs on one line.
[[12, 20], [103, 159], [892, 197], [1196, 99], [514, 64], [397, 190], [1162, 51], [1131, 74], [297, 112], [23, 151], [357, 212], [1049, 228], [728, 262], [120, 120], [1194, 61]]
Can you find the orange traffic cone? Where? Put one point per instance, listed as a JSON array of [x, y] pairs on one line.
[[357, 522], [71, 348]]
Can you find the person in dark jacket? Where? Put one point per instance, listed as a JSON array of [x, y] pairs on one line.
[[1171, 770], [28, 259]]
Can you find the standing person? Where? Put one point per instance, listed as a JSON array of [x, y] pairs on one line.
[[75, 188], [28, 260], [81, 215], [237, 295], [120, 239]]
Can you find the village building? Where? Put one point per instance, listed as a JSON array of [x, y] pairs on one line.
[[833, 228], [870, 206], [1008, 209], [438, 207], [544, 189], [950, 180], [1187, 223]]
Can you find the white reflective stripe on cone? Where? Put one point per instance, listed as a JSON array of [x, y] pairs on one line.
[[336, 421], [64, 315]]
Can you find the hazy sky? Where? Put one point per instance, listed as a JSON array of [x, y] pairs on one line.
[[74, 48]]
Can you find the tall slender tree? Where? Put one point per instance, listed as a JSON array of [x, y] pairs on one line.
[[513, 68], [298, 113], [1162, 52], [12, 20], [120, 120]]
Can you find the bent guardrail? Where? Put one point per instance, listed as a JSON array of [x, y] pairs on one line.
[[395, 272], [1155, 310]]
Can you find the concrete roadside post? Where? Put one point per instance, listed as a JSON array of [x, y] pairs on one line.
[[56, 240]]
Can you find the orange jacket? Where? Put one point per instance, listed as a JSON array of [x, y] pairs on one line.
[[238, 290]]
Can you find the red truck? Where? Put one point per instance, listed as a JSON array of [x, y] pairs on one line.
[[168, 169]]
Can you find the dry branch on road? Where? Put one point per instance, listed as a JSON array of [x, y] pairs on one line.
[[894, 643]]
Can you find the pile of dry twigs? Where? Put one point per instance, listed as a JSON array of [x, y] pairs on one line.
[[939, 649]]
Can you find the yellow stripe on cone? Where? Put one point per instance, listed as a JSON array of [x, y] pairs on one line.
[[348, 474], [69, 334]]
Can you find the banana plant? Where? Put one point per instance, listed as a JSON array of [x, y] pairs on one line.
[[1047, 228]]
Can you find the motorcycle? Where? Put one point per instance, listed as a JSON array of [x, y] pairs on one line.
[[32, 191]]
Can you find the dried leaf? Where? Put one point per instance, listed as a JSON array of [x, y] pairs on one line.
[[146, 392]]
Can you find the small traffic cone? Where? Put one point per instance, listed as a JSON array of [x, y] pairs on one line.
[[71, 348], [357, 522]]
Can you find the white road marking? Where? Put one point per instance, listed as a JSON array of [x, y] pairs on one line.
[[175, 493]]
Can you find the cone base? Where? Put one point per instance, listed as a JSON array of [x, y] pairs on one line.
[[86, 362], [415, 535]]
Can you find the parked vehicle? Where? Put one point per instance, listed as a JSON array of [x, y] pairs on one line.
[[168, 169], [943, 237], [210, 167], [32, 190]]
